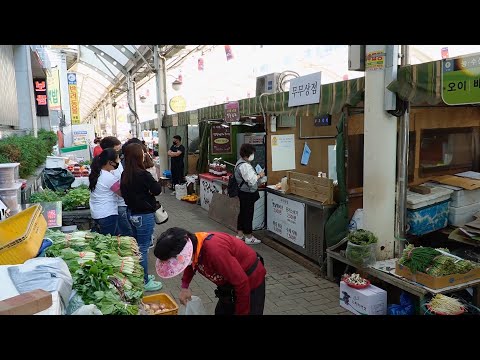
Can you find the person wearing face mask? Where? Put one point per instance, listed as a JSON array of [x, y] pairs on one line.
[[236, 269], [124, 227], [104, 188], [177, 153], [247, 180]]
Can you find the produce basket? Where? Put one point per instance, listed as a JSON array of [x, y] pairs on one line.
[[469, 309], [171, 307], [22, 235]]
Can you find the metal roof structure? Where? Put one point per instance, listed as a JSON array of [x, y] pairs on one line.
[[102, 69]]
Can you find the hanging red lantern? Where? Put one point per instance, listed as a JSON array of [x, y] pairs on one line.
[[200, 64], [228, 52]]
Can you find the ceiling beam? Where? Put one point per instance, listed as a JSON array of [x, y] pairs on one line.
[[107, 57], [100, 72], [130, 55]]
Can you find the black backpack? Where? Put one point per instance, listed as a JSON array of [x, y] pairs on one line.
[[233, 187]]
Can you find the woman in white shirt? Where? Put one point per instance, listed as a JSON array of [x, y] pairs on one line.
[[104, 188], [247, 180]]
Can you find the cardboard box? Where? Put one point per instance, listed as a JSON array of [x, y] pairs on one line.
[[437, 282], [369, 301], [28, 303]]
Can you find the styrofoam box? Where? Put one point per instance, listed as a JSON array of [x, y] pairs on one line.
[[459, 216], [465, 197], [438, 194], [55, 162], [369, 301]]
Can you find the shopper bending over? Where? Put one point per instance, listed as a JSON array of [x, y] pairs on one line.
[[234, 267]]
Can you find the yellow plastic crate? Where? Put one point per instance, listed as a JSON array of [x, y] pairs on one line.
[[165, 299], [22, 235]]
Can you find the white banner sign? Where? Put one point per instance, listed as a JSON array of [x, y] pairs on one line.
[[286, 218], [305, 90]]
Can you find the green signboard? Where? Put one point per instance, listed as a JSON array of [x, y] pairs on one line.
[[461, 80]]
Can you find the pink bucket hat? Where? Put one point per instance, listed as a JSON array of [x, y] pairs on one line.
[[175, 265]]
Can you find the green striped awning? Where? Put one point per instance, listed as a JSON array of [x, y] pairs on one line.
[[332, 99], [420, 84]]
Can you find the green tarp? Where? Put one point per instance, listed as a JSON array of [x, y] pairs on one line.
[[333, 98], [336, 227], [420, 84]]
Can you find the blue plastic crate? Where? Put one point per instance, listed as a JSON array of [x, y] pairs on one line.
[[429, 218]]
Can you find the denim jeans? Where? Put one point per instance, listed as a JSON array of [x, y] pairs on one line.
[[142, 227], [107, 225], [124, 227]]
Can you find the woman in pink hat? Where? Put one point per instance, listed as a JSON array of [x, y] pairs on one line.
[[225, 260]]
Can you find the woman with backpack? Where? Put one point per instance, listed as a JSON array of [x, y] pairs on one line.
[[247, 180]]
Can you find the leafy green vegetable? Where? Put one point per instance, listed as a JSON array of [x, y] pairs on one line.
[[75, 198], [46, 195], [362, 237]]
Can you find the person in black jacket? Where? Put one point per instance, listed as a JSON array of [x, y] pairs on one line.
[[139, 189]]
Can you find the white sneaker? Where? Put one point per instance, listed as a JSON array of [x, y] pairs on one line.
[[252, 240], [240, 237], [173, 193]]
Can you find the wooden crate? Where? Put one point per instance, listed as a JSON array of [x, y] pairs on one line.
[[311, 187]]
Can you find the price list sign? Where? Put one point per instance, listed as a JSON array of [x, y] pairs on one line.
[[461, 80], [232, 111]]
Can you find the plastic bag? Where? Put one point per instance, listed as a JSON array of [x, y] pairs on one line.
[[406, 306], [58, 179], [357, 221], [88, 310], [194, 307], [361, 255]]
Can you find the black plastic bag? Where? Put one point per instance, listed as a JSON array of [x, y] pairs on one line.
[[58, 179]]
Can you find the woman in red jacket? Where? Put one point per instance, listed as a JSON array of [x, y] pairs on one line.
[[228, 262]]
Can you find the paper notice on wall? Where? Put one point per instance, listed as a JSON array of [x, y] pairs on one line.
[[283, 152]]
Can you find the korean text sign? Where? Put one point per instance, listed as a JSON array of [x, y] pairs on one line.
[[305, 90], [221, 140], [40, 91], [232, 111], [53, 88], [286, 218], [73, 95], [461, 80]]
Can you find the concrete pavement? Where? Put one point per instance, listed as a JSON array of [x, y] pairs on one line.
[[291, 289]]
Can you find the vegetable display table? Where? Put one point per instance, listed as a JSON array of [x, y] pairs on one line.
[[385, 271]]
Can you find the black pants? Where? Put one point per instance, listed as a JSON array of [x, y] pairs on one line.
[[247, 208], [257, 303], [177, 175]]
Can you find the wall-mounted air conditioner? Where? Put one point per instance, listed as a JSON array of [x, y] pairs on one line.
[[267, 84]]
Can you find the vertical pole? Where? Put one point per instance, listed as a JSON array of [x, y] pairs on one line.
[[402, 168], [160, 79], [31, 91], [380, 139], [131, 104]]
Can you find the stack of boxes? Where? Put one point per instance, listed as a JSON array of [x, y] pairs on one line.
[[10, 187]]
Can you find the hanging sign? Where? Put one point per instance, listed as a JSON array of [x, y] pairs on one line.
[[461, 80], [73, 96], [178, 104], [305, 90], [232, 111], [40, 91], [53, 88], [221, 140]]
